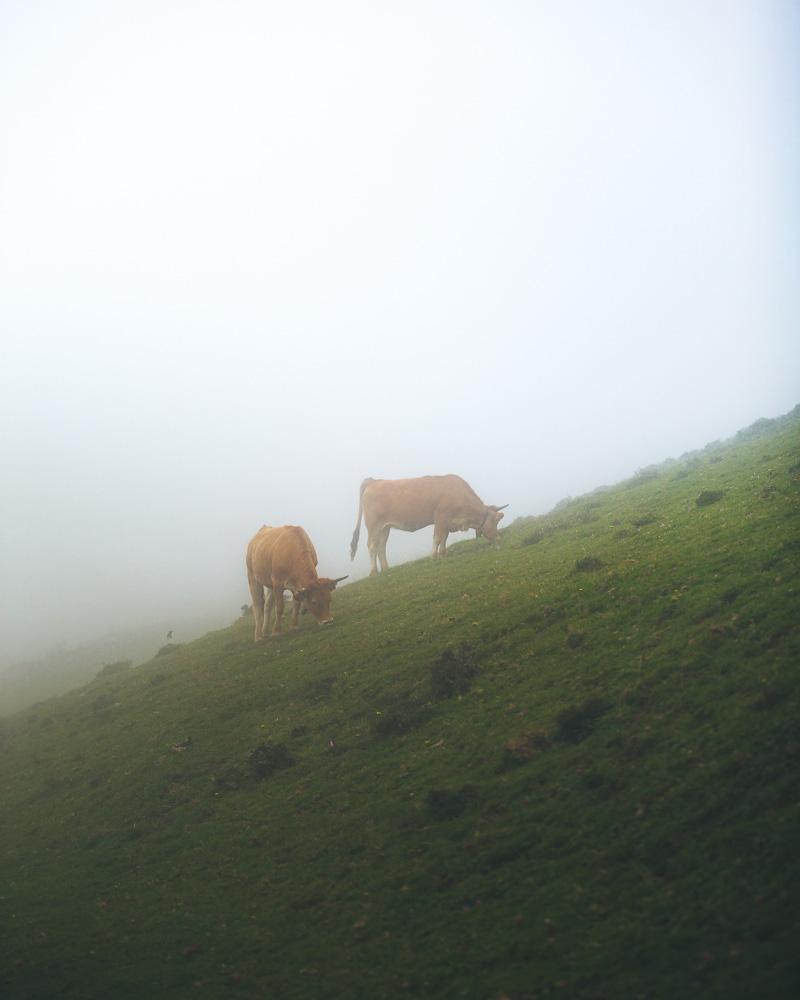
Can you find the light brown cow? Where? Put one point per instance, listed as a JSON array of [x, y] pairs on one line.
[[284, 559], [447, 502]]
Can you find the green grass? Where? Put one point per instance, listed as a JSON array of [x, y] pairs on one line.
[[566, 767]]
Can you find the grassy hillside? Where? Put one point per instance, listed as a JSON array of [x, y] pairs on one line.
[[567, 767], [22, 684]]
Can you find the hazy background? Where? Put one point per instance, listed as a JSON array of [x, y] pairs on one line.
[[253, 252]]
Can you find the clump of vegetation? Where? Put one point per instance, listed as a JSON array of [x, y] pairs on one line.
[[575, 637], [588, 564], [269, 757], [642, 476], [708, 497], [169, 648], [521, 749], [320, 688], [534, 537], [397, 716], [760, 428], [230, 777], [573, 725], [117, 667], [644, 519], [447, 803], [453, 672]]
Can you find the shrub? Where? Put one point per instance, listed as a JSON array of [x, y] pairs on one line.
[[169, 648], [453, 672], [534, 537], [397, 716], [574, 724], [521, 749], [447, 803], [708, 497], [269, 757], [118, 667], [588, 563]]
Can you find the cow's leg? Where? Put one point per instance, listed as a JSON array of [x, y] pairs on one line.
[[383, 538], [277, 597], [257, 593], [267, 613], [295, 612], [373, 540], [440, 534]]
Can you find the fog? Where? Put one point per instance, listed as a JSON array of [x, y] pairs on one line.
[[252, 253]]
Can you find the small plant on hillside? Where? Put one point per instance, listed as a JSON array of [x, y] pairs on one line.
[[574, 724], [117, 667], [446, 803], [169, 648], [534, 537], [269, 757], [397, 716], [453, 672], [588, 563], [520, 749], [708, 497]]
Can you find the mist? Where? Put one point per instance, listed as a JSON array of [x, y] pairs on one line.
[[251, 254]]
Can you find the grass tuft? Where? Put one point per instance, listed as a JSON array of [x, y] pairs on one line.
[[269, 757], [576, 724], [453, 672]]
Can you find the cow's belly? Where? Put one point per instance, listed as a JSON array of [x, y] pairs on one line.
[[407, 524]]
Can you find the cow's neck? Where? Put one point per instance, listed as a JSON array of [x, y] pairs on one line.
[[304, 576]]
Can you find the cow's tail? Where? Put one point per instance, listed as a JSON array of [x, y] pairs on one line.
[[357, 532]]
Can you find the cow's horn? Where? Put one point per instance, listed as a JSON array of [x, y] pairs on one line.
[[340, 578], [500, 508]]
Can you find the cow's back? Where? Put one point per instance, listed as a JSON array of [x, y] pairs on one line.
[[412, 503], [293, 551], [259, 553], [283, 554]]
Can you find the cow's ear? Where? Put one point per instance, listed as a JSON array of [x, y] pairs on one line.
[[500, 515]]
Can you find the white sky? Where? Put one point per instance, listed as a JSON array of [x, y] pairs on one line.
[[253, 252]]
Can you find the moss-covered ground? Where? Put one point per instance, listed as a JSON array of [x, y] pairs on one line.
[[564, 767]]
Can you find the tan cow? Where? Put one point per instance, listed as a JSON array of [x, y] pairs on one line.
[[447, 502], [284, 559]]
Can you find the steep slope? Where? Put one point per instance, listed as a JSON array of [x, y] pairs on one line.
[[568, 766], [67, 667]]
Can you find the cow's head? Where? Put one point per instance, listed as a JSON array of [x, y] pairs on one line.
[[489, 529], [316, 598]]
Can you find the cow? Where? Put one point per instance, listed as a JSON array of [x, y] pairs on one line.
[[284, 559], [447, 502]]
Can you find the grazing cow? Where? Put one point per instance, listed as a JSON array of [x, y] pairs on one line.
[[446, 502], [284, 559]]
